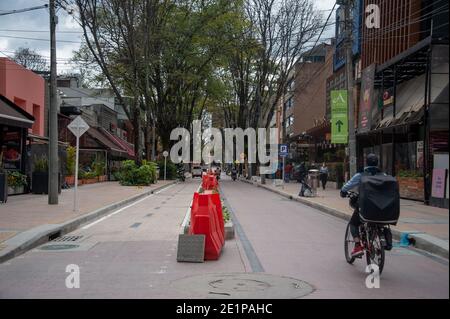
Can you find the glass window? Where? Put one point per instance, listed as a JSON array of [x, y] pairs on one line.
[[409, 158], [11, 147]]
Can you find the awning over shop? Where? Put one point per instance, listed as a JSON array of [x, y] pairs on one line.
[[320, 131], [123, 144], [104, 140], [409, 104], [12, 115]]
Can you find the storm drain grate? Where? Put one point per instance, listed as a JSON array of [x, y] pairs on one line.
[[67, 238]]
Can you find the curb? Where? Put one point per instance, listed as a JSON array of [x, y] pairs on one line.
[[421, 241], [39, 235]]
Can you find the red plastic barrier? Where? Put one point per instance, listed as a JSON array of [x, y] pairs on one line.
[[215, 198], [204, 220], [205, 181], [209, 181]]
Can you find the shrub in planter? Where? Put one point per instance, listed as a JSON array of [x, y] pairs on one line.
[[70, 165], [88, 177], [130, 174], [39, 179], [16, 182], [171, 169]]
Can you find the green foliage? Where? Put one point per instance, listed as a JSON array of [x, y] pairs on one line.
[[87, 175], [99, 168], [70, 160], [16, 179], [410, 174], [226, 214], [41, 164], [131, 174], [171, 169]]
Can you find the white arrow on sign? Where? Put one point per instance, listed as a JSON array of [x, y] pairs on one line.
[[78, 127]]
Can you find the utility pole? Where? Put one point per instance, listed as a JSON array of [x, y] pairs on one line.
[[53, 164], [349, 70]]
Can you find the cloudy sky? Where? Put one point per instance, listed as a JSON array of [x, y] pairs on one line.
[[30, 29]]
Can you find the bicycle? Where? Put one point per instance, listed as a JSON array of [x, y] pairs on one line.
[[372, 239]]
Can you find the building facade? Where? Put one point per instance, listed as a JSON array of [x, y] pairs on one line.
[[402, 99], [26, 89]]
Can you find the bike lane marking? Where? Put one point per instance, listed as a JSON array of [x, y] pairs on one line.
[[123, 208]]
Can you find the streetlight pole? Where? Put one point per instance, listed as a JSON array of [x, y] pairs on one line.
[[53, 167], [349, 71]]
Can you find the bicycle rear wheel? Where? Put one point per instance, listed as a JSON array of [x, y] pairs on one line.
[[348, 245], [375, 253]]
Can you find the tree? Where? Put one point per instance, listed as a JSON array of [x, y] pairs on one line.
[[283, 29], [161, 54], [30, 59]]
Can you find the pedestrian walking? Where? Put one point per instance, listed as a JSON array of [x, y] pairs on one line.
[[323, 175]]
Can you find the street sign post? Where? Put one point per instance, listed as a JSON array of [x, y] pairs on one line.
[[78, 127], [283, 151], [339, 117], [165, 154]]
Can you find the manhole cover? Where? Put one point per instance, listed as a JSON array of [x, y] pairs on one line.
[[59, 246], [245, 285]]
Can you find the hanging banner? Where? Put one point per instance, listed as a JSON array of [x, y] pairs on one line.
[[366, 99], [339, 117]]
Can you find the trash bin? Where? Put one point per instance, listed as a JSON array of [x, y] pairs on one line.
[[313, 180]]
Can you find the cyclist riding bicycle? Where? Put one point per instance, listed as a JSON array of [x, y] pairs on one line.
[[355, 221]]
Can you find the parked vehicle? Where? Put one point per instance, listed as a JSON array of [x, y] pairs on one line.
[[197, 171]]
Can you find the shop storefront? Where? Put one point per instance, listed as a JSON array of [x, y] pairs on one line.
[[14, 125], [398, 123]]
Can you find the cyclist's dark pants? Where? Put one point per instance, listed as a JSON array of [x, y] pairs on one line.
[[355, 221]]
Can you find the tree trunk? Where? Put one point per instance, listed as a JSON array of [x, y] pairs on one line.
[[137, 135]]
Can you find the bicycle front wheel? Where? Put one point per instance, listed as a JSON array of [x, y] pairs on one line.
[[375, 253], [348, 245]]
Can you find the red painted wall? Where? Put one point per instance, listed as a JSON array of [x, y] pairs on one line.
[[26, 89]]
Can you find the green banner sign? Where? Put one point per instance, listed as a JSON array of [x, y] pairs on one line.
[[339, 117]]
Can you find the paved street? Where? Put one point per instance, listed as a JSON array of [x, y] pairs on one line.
[[25, 212], [131, 253]]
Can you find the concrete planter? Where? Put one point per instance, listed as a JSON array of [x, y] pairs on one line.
[[89, 180], [229, 230], [3, 188], [411, 187], [16, 190], [103, 178], [39, 183]]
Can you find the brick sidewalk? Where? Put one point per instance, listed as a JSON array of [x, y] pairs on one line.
[[414, 216], [23, 212]]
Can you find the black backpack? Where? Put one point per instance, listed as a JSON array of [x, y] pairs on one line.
[[379, 199]]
